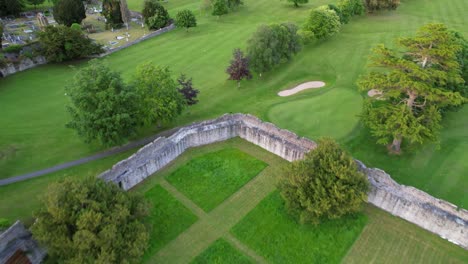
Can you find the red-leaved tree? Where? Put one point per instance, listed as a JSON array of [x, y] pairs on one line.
[[239, 67]]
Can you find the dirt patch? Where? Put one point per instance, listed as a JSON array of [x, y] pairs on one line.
[[301, 87]]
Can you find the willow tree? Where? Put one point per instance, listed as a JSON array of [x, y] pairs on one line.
[[413, 89]]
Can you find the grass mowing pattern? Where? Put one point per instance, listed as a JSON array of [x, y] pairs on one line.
[[210, 179], [273, 234], [221, 252], [168, 219], [389, 239]]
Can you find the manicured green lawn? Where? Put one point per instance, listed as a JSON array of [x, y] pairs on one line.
[[210, 179], [273, 234], [389, 239], [19, 200], [221, 252], [168, 219], [33, 134]]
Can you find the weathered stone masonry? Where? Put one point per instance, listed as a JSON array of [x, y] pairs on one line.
[[411, 204]]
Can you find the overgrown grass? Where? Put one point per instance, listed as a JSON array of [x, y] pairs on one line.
[[168, 219], [273, 234], [221, 252], [389, 239], [210, 179]]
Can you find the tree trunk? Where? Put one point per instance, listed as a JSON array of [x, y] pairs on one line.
[[411, 99], [395, 147], [238, 84]]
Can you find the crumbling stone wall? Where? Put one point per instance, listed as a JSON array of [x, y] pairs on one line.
[[411, 204], [24, 64], [17, 237]]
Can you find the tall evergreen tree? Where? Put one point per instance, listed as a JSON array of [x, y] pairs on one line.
[[67, 12], [111, 10], [412, 87]]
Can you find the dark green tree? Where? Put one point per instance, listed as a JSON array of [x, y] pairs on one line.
[[234, 4], [412, 87], [91, 221], [375, 5], [297, 2], [155, 15], [112, 12], [11, 7], [160, 100], [326, 184], [62, 43], [350, 8], [322, 23], [220, 8], [186, 19], [102, 106], [187, 90], [272, 45], [337, 11], [67, 12], [35, 2]]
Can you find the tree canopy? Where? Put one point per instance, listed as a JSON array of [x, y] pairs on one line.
[[326, 184], [155, 15], [350, 8], [297, 2], [413, 87], [67, 12], [102, 106], [62, 43], [375, 5], [187, 90], [322, 23], [35, 2], [220, 8], [91, 221], [239, 67], [11, 7], [186, 19], [271, 45], [111, 10], [160, 100]]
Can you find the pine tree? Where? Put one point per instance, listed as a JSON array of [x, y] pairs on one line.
[[412, 87], [239, 67], [326, 184]]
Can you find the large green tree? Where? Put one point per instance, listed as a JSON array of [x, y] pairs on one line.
[[67, 12], [155, 15], [322, 23], [271, 45], [91, 221], [412, 82], [102, 106], [350, 8], [111, 10], [375, 5], [326, 184], [186, 19], [62, 43], [11, 7], [160, 100], [35, 2], [220, 8]]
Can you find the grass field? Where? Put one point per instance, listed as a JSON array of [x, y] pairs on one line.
[[221, 252], [168, 219], [33, 135], [210, 179], [270, 231]]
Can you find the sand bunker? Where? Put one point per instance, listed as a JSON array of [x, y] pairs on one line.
[[374, 92], [301, 87]]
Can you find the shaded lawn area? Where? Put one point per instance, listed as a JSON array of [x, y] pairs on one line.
[[273, 234], [389, 239], [19, 200], [221, 252], [168, 219], [209, 179]]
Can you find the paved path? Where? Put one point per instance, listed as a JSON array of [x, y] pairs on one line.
[[97, 156]]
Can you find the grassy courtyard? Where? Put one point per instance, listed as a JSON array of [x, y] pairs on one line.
[[33, 134], [252, 226]]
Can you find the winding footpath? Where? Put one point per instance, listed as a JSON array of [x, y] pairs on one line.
[[84, 160]]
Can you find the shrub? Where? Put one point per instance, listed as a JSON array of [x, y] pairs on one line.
[[155, 15], [186, 19], [375, 5], [4, 223], [13, 49], [325, 184], [220, 8], [76, 26]]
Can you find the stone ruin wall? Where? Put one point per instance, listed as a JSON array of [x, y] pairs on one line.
[[24, 64], [17, 237], [411, 204]]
